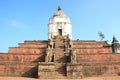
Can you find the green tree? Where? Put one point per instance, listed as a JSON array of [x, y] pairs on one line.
[[101, 35]]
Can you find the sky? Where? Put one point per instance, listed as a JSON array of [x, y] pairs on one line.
[[22, 20]]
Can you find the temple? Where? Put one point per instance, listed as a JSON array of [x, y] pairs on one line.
[[61, 57], [59, 24]]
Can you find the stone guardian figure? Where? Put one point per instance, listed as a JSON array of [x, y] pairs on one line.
[[49, 55], [73, 56], [51, 43], [68, 42]]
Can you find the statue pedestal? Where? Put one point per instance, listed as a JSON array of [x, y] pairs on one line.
[[46, 70], [74, 71]]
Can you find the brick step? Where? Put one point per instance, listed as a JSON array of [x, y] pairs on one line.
[[59, 49], [59, 67], [60, 64], [59, 42], [83, 46], [60, 75], [60, 46], [60, 54], [60, 59], [62, 71], [57, 52]]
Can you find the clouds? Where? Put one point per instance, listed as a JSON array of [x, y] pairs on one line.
[[17, 24], [14, 23]]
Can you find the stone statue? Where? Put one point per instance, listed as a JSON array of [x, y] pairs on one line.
[[73, 56], [51, 43], [68, 42], [49, 55]]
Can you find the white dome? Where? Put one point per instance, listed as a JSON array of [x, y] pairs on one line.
[[59, 15], [59, 24]]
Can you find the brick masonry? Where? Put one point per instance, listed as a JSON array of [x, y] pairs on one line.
[[23, 60]]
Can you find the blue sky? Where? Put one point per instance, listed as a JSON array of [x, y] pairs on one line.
[[22, 20]]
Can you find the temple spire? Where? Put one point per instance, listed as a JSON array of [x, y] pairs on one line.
[[59, 8], [114, 39], [115, 45]]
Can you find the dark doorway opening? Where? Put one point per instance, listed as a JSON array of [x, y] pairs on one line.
[[60, 31]]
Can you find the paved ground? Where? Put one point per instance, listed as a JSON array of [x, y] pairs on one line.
[[89, 78]]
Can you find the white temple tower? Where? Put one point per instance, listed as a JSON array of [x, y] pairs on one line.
[[59, 24]]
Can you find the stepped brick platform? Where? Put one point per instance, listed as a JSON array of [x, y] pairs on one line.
[[25, 60]]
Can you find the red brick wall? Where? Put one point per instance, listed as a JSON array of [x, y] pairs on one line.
[[29, 47], [26, 51], [18, 69], [21, 58], [2, 70], [101, 69], [94, 51], [19, 65], [99, 58], [32, 46]]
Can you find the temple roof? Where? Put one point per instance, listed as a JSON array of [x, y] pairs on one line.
[[114, 39], [60, 13]]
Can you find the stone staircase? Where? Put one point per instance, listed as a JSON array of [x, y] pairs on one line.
[[60, 71], [60, 58], [61, 66]]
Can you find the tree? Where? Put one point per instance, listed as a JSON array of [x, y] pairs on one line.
[[101, 35]]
